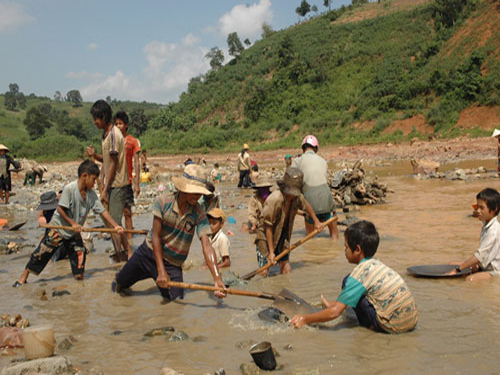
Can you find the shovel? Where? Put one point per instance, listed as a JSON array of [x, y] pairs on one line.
[[100, 230], [248, 276], [246, 293], [17, 226]]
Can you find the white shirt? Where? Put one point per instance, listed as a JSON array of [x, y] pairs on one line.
[[221, 244], [488, 253]]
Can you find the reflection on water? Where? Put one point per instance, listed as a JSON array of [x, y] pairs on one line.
[[424, 222]]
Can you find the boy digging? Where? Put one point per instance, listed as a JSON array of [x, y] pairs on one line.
[[278, 214], [114, 192], [76, 201], [175, 218], [485, 262], [378, 295]]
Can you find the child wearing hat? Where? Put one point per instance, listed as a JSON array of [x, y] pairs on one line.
[[278, 214], [262, 190], [218, 239], [5, 162], [175, 218]]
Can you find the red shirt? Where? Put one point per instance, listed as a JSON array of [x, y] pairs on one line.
[[132, 146]]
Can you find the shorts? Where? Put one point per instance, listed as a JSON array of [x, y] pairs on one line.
[[261, 249], [321, 217], [142, 265], [5, 183], [53, 242], [117, 197], [129, 196]]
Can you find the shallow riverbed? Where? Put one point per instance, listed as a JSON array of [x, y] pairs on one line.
[[423, 222]]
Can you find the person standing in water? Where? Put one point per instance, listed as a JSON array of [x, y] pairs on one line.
[[244, 166], [316, 189]]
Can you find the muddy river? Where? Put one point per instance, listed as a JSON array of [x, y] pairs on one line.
[[423, 222]]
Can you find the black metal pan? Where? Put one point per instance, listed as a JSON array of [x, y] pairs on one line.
[[436, 270]]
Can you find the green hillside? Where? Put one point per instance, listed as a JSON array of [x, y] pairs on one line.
[[351, 75]]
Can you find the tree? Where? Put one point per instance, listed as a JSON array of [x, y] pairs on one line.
[[74, 97], [303, 9], [234, 44], [247, 41], [36, 122], [21, 100], [14, 88], [267, 30], [108, 99], [327, 3], [216, 58], [448, 11], [58, 96], [138, 122], [10, 101], [314, 8]]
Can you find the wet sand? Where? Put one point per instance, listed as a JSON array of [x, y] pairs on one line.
[[423, 222]]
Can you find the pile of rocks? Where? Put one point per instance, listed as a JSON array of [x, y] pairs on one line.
[[351, 186], [459, 174]]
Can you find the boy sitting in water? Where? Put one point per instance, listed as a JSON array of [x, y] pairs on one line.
[[485, 262], [218, 239], [76, 201], [379, 296]]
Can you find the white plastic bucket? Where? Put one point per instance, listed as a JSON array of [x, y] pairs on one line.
[[39, 341]]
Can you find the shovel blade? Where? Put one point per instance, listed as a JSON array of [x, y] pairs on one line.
[[291, 304], [17, 226]]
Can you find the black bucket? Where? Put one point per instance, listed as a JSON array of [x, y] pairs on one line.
[[263, 356]]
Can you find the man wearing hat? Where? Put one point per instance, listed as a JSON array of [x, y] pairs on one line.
[[278, 215], [5, 162], [175, 218], [244, 166]]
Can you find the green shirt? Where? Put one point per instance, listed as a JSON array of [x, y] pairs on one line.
[[76, 207], [386, 290]]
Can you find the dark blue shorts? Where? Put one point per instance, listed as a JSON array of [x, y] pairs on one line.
[[321, 217], [142, 265], [365, 312]]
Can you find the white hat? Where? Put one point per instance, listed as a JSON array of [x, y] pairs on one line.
[[3, 147], [193, 180], [496, 133]]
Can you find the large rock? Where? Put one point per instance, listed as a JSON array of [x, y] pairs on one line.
[[42, 366]]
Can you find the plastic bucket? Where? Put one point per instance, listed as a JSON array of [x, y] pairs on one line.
[[39, 341], [263, 356]]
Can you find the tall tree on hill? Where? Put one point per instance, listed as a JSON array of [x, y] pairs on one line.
[[234, 44], [327, 3], [11, 97], [36, 122], [267, 30], [74, 97], [58, 96], [448, 11], [215, 57], [303, 8]]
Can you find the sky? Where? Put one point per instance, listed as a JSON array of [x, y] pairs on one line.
[[127, 49]]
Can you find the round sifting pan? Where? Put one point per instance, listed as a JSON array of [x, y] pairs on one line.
[[436, 270]]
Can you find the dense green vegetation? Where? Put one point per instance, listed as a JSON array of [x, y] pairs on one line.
[[321, 76]]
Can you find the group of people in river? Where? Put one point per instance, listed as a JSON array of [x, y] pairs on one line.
[[379, 295]]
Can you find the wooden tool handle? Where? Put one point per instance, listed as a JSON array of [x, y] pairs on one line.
[[248, 276], [237, 292], [100, 230]]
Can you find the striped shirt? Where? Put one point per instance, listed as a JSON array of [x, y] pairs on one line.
[[386, 290], [177, 231]]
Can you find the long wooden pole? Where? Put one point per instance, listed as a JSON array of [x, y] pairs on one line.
[[247, 293], [248, 276], [100, 230]]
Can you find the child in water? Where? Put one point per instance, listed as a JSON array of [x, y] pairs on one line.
[[378, 295], [485, 262]]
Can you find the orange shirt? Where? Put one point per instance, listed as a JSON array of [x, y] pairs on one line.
[[132, 146]]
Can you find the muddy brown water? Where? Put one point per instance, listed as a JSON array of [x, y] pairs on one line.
[[423, 222]]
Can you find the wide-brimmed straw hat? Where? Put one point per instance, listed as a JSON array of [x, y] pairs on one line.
[[217, 213], [292, 182], [245, 146], [193, 180], [496, 133], [48, 201], [262, 184], [3, 147]]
